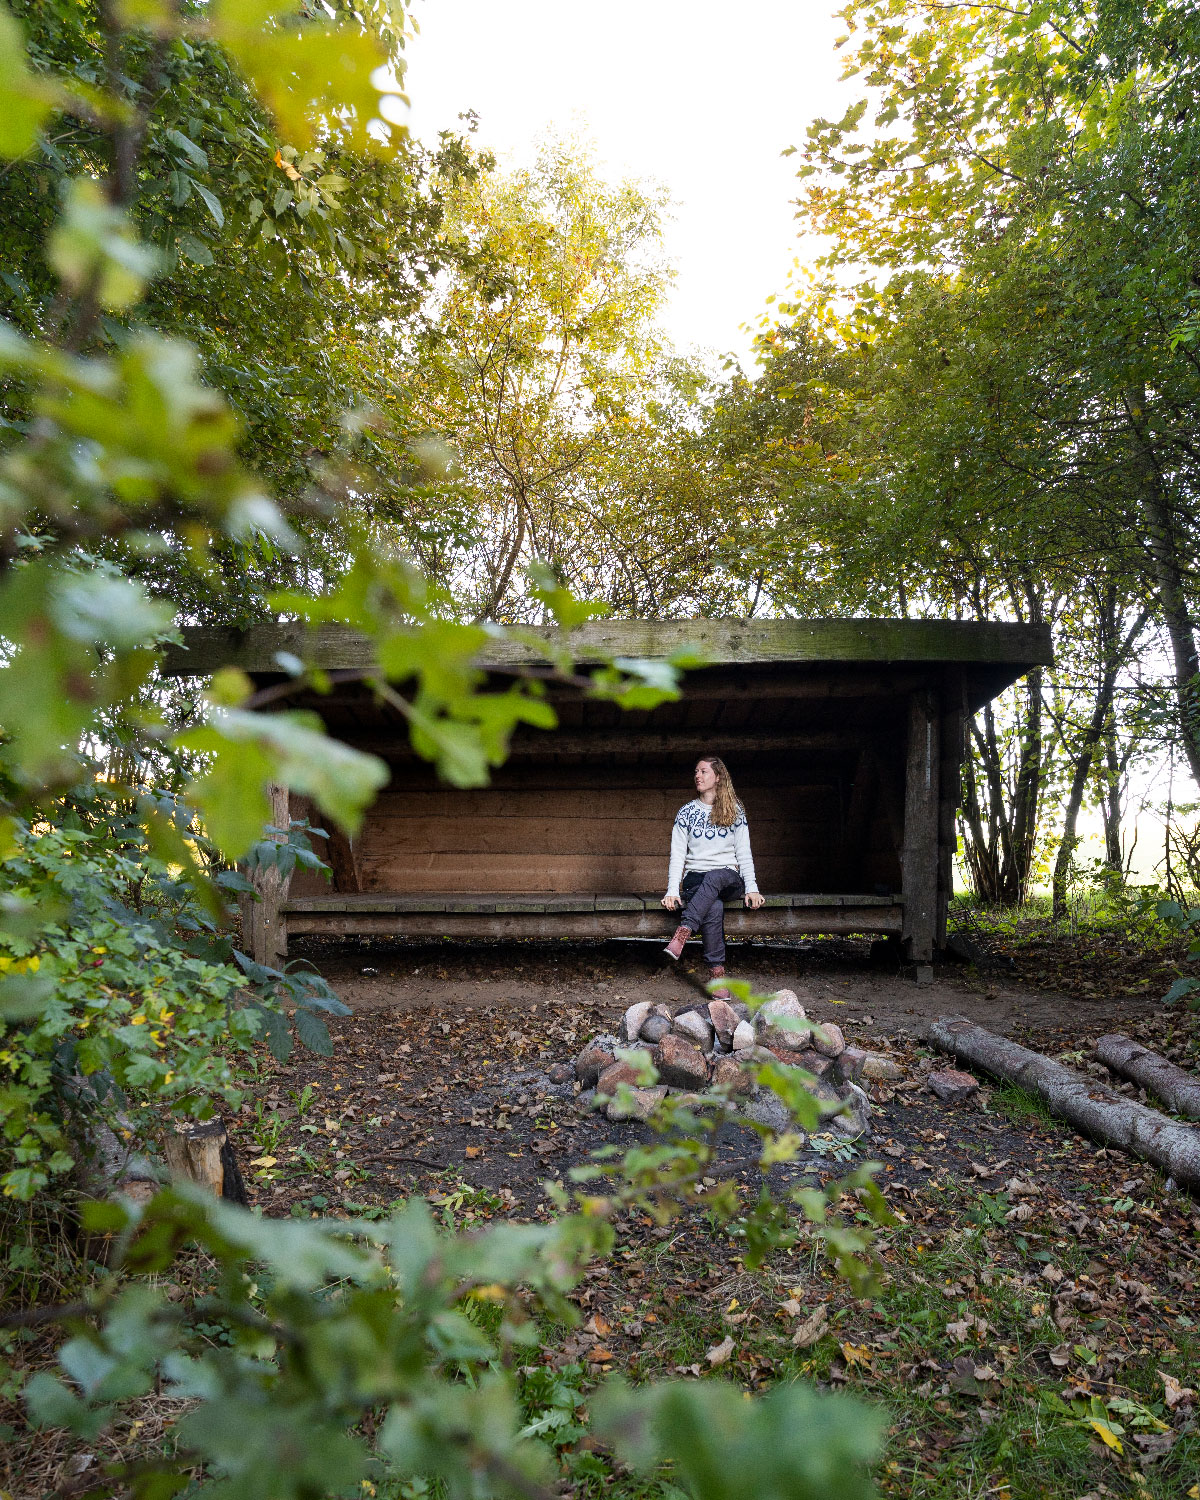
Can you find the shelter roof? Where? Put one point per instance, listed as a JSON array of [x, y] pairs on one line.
[[1011, 648]]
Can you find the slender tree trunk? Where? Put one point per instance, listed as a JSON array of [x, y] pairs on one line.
[[1168, 568], [1101, 711], [1110, 807], [1029, 791]]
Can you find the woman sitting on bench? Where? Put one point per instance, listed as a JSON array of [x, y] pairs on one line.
[[711, 864]]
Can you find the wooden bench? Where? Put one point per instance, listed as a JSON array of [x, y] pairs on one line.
[[538, 915]]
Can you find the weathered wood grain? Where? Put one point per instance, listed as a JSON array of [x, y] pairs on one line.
[[336, 647], [649, 922]]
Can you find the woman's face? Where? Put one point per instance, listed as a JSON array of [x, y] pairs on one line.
[[705, 777]]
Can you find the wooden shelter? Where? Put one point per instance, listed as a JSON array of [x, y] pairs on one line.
[[844, 738]]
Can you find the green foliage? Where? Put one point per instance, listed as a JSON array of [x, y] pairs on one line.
[[135, 1003], [796, 1444]]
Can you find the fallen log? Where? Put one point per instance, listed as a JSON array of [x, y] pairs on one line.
[[1093, 1108], [1178, 1089]]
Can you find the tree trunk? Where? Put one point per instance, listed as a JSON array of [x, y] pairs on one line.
[[1169, 570], [1110, 806], [1001, 833], [1091, 1107], [1083, 767], [1178, 1089]]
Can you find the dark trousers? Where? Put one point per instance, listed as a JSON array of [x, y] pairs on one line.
[[704, 898]]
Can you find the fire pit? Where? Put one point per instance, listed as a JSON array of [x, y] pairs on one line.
[[705, 1051]]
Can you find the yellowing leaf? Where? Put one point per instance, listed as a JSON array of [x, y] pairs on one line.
[[264, 1161], [1106, 1434]]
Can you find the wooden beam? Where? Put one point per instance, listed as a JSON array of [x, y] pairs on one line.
[[543, 746], [920, 856], [716, 642], [393, 904], [778, 922]]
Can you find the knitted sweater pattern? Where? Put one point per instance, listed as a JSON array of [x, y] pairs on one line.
[[699, 844]]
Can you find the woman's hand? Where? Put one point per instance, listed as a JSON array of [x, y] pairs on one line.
[[672, 903], [754, 899]]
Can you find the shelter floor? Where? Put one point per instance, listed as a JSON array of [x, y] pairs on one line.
[[455, 977]]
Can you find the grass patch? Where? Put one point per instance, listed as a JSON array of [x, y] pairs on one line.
[[1020, 1106]]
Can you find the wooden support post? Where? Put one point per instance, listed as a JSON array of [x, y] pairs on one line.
[[949, 792], [343, 861], [264, 926], [919, 861]]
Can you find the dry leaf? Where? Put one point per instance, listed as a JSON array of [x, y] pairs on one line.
[[792, 1307], [1174, 1392], [599, 1325], [812, 1328], [264, 1161], [474, 1151], [1060, 1357], [719, 1354]]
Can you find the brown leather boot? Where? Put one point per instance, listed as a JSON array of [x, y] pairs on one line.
[[675, 947], [720, 993]]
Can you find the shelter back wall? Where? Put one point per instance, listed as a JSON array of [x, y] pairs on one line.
[[604, 827]]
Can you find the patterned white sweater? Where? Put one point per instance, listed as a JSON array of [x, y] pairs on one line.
[[698, 844]]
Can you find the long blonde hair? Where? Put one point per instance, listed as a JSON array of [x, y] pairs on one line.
[[726, 806]]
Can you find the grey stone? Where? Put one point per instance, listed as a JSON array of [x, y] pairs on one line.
[[828, 1040], [640, 1104], [744, 1036], [724, 1020], [881, 1069], [631, 1021], [784, 1005], [654, 1028], [855, 1120], [695, 1028], [768, 1109]]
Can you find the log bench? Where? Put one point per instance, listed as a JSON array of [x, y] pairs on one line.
[[538, 915]]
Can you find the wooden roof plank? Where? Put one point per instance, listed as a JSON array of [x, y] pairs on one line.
[[715, 642]]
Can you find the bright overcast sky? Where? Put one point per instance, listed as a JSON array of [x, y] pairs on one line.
[[697, 96]]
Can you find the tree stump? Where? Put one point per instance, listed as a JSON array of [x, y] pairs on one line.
[[202, 1153]]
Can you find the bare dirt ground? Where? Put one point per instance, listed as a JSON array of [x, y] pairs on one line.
[[442, 1071], [612, 975]]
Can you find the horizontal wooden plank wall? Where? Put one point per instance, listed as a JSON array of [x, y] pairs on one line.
[[604, 827]]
